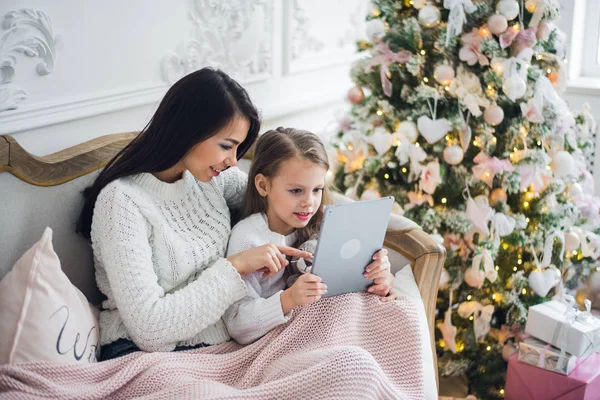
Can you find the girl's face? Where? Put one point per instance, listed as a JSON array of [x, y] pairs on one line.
[[293, 195], [208, 158]]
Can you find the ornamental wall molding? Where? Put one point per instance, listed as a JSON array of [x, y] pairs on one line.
[[234, 36], [25, 32]]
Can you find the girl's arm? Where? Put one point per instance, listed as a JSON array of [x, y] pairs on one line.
[[253, 316], [155, 320]]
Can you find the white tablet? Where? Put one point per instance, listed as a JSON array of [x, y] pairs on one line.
[[350, 235]]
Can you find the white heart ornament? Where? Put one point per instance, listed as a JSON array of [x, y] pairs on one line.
[[542, 282], [433, 130], [381, 140]]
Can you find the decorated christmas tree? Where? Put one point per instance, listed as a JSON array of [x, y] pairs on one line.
[[457, 113]]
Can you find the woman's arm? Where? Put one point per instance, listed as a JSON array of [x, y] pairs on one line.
[[155, 320], [253, 316]]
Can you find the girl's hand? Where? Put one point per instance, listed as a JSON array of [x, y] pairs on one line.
[[308, 288], [268, 256], [379, 271]]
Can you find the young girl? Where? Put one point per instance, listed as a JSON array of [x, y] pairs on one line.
[[159, 219], [284, 204]]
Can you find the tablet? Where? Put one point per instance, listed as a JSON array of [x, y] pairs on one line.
[[351, 233]]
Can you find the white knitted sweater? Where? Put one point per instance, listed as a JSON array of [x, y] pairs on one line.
[[260, 310], [159, 252]]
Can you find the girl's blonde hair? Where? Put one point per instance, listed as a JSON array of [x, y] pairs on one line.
[[272, 149]]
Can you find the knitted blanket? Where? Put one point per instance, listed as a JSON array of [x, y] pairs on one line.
[[345, 347]]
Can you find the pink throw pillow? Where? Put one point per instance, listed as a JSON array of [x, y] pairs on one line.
[[43, 316]]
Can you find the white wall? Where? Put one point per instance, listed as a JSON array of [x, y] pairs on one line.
[[109, 62], [578, 20]]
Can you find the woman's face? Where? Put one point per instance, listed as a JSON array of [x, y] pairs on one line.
[[208, 158]]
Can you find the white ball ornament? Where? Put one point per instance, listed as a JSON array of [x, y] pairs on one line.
[[409, 130], [514, 87], [429, 15], [493, 115], [443, 74], [454, 154], [375, 29], [508, 8], [571, 241], [562, 164], [497, 24], [575, 190]]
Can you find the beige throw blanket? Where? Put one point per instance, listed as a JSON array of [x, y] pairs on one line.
[[346, 347]]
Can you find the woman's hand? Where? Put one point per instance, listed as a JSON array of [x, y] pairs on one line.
[[380, 272], [269, 256], [308, 288]]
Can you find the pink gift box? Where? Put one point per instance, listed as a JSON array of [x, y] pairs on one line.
[[526, 382]]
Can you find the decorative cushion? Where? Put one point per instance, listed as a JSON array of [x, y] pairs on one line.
[[44, 317]]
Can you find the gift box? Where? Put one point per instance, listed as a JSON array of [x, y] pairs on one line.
[[576, 332], [526, 382], [542, 355]]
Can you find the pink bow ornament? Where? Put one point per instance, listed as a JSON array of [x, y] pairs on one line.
[[535, 175], [482, 315], [470, 51], [384, 57], [521, 39], [430, 177], [487, 167]]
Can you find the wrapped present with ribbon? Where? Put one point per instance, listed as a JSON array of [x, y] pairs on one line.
[[562, 325], [527, 382], [543, 355]]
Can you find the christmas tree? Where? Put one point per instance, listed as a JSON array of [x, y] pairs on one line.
[[457, 113]]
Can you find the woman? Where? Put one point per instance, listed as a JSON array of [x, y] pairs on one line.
[[159, 221]]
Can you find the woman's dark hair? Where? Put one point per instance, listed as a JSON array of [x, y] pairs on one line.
[[194, 109]]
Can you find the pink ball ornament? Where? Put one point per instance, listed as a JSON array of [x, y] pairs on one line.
[[508, 350], [493, 115], [453, 155], [443, 74], [497, 24], [356, 95], [474, 277]]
